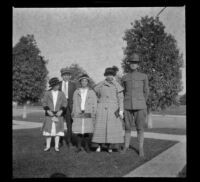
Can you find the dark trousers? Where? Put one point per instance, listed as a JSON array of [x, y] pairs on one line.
[[68, 120], [86, 138]]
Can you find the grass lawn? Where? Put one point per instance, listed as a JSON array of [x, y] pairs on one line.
[[173, 110], [183, 172], [29, 160]]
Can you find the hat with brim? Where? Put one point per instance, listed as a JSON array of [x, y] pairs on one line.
[[65, 71], [53, 82], [109, 71], [83, 76], [134, 58]]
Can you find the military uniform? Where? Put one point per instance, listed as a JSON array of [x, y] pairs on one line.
[[136, 92]]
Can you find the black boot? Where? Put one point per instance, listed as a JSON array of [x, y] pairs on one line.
[[79, 140], [87, 143]]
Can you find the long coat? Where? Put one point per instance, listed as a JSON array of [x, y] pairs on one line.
[[84, 124], [108, 126], [61, 104], [136, 90]]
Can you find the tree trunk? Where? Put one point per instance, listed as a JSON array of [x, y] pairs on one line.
[[24, 115]]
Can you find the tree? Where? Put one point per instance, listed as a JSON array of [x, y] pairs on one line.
[[29, 71], [161, 60], [77, 71], [183, 99]]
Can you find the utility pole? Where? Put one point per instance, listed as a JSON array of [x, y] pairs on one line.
[[160, 12]]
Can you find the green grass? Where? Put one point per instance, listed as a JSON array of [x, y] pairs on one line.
[[183, 172], [173, 110], [29, 160]]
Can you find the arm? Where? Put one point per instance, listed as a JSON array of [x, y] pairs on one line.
[[121, 100], [74, 105], [64, 103], [146, 87], [94, 104], [45, 105]]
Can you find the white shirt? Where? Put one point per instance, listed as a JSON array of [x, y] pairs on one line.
[[55, 96], [65, 88], [83, 97]]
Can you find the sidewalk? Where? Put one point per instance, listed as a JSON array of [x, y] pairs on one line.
[[167, 164]]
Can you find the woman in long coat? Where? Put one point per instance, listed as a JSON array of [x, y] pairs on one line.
[[108, 127], [54, 104], [84, 112]]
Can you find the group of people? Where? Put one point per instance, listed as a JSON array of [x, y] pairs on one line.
[[99, 114]]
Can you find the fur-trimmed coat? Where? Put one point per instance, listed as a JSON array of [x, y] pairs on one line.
[[61, 104]]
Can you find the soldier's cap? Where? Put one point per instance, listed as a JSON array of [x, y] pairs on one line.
[[134, 58], [65, 71]]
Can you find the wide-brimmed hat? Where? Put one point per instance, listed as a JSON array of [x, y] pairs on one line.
[[64, 71], [109, 71], [53, 82], [83, 76], [134, 58]]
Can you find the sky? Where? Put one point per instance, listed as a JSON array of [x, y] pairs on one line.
[[90, 37]]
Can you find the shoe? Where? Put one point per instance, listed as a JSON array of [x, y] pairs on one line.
[[47, 149], [141, 152], [78, 150], [124, 150], [87, 149], [98, 149], [57, 149]]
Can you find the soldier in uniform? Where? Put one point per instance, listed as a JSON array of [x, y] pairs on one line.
[[136, 92]]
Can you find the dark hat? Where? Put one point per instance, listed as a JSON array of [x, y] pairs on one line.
[[53, 82], [64, 71], [109, 71], [116, 69], [83, 76], [134, 58]]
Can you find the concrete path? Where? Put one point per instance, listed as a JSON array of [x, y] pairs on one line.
[[167, 164]]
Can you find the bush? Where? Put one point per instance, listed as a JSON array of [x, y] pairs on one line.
[[183, 99]]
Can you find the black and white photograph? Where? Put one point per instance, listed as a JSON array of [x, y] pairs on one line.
[[99, 92]]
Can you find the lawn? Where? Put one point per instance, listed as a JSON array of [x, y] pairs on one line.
[[29, 160], [173, 110]]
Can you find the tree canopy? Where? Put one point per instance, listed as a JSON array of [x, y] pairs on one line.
[[161, 60], [29, 71], [77, 71]]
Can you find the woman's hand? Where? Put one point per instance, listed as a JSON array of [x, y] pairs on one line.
[[50, 113], [59, 113], [121, 114]]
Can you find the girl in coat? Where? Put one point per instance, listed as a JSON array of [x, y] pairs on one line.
[[108, 128], [84, 112], [54, 104]]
